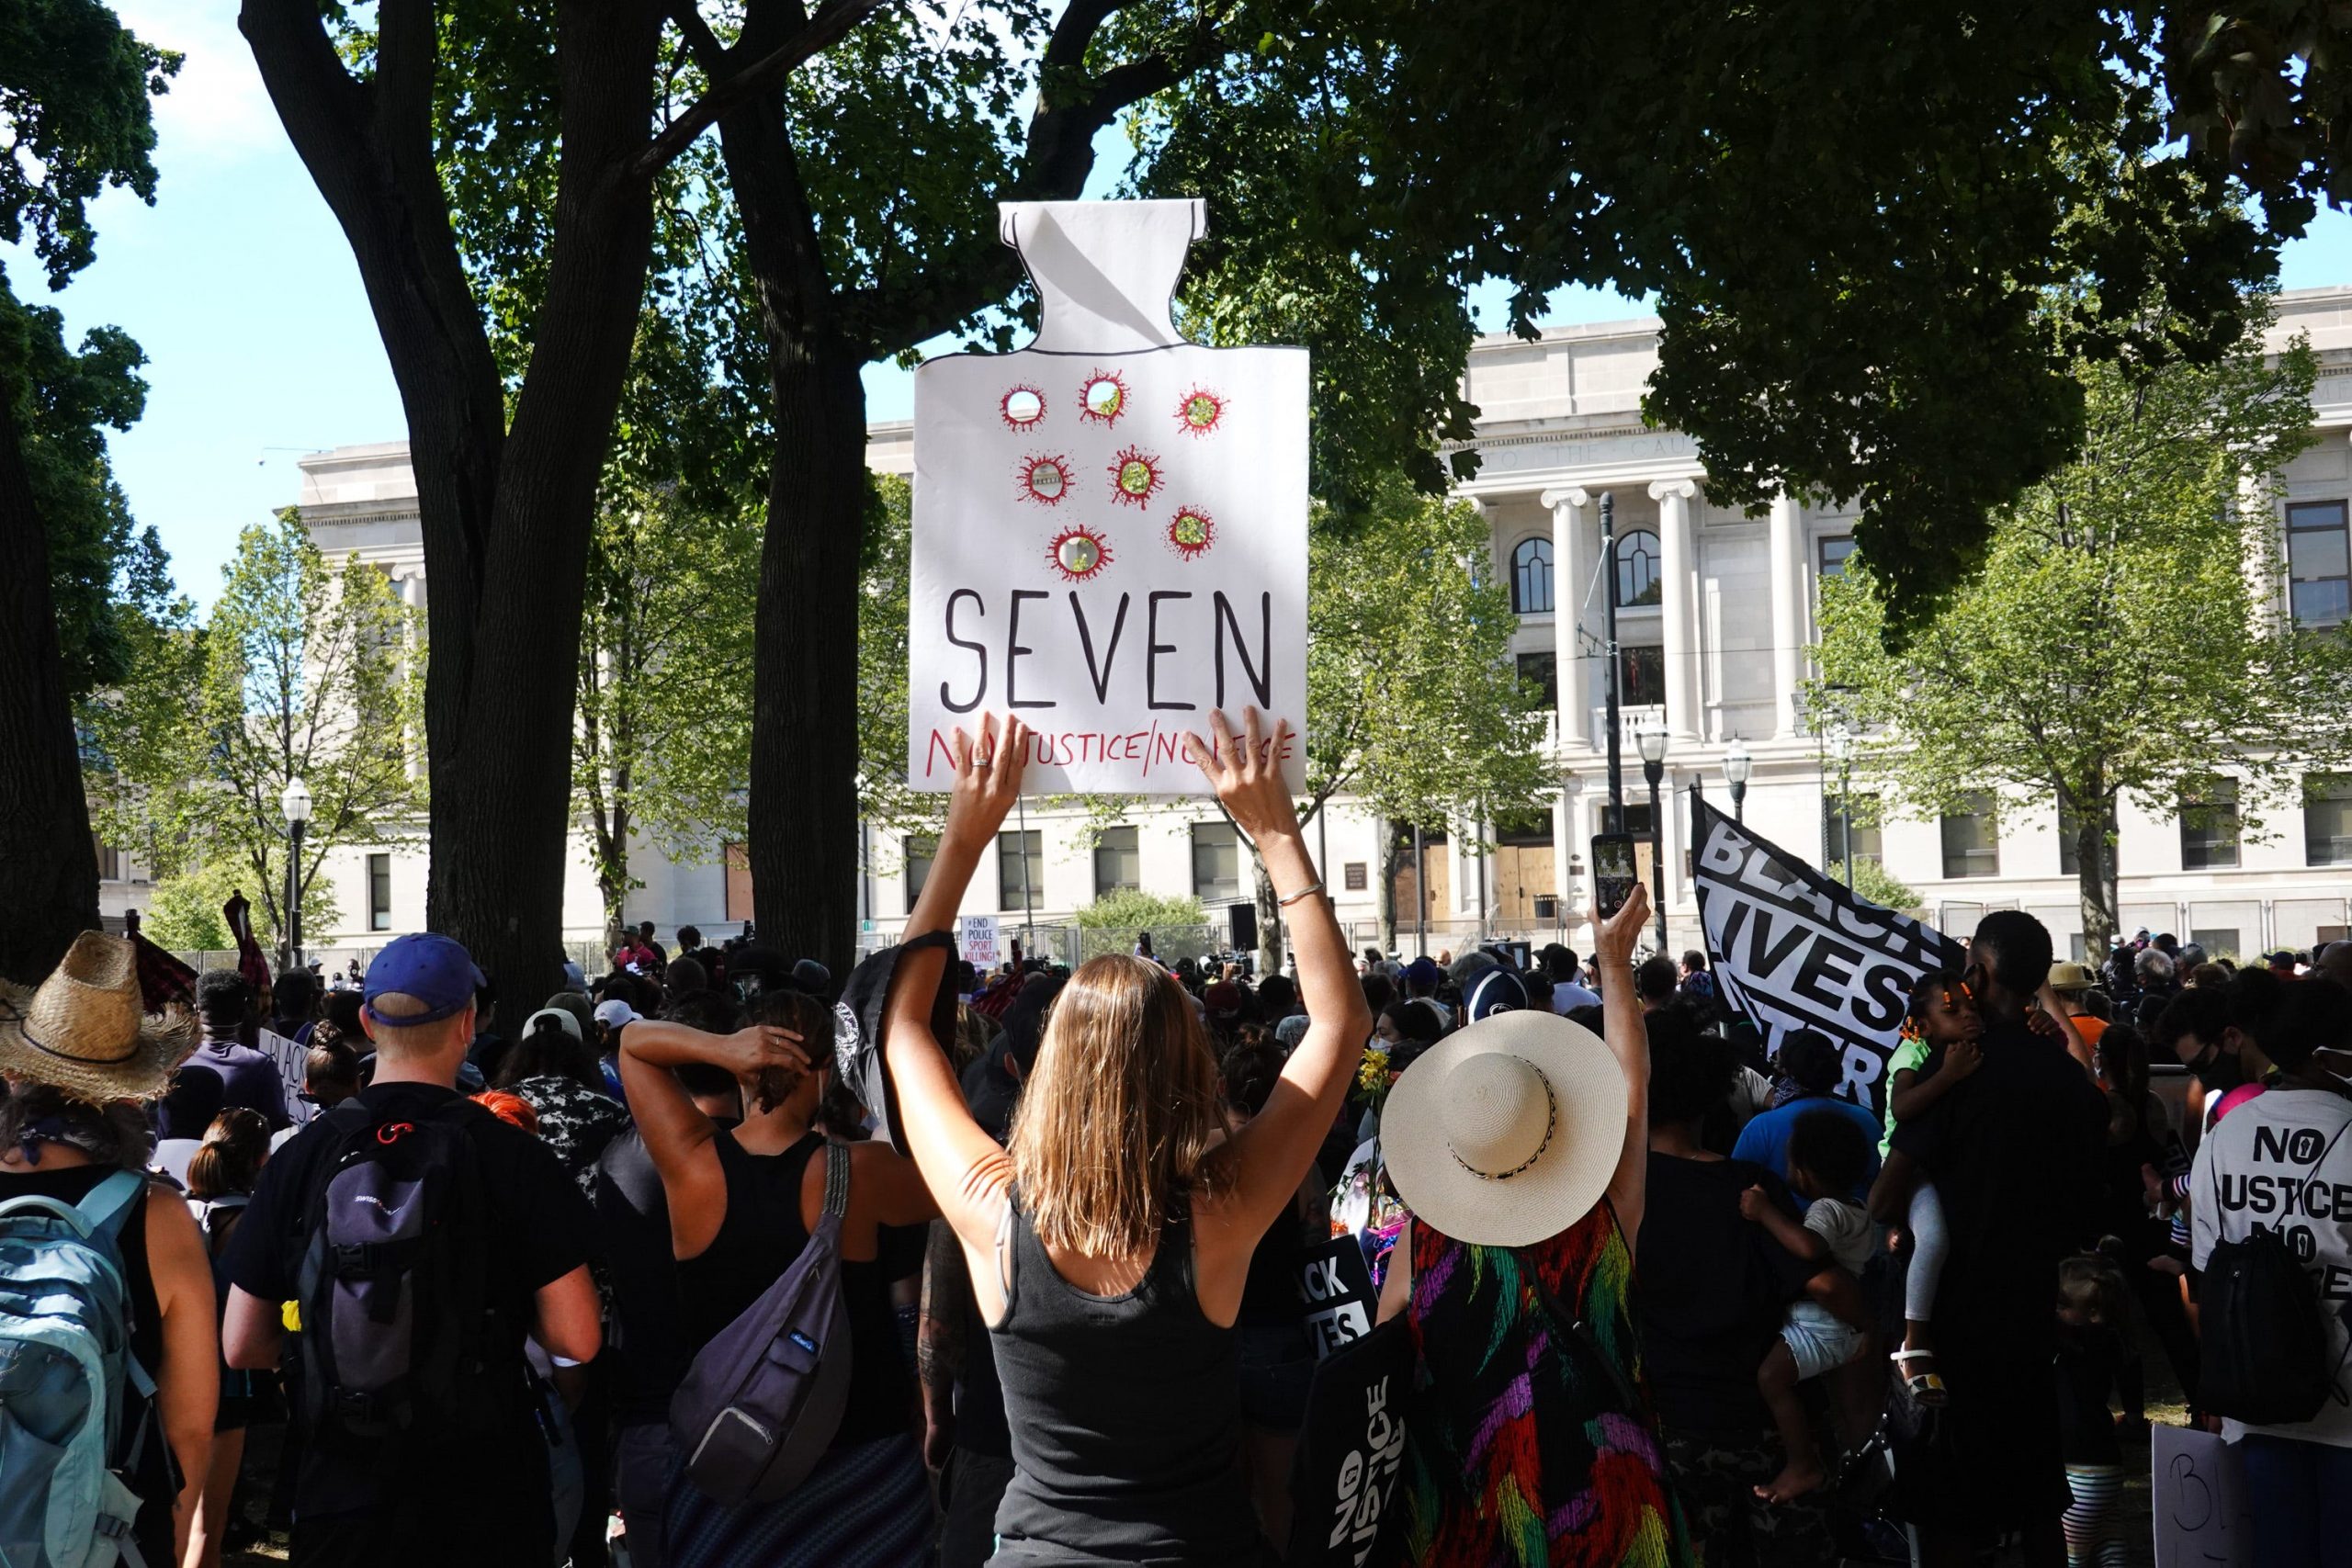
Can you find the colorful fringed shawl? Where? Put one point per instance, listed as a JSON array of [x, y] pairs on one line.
[[1531, 1442]]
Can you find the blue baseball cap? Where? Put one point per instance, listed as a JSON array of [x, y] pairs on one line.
[[435, 969]]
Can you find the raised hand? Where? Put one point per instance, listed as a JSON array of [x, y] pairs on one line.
[[988, 777], [1616, 937], [1246, 773]]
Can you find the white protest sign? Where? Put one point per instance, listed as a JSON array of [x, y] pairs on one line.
[[978, 942], [1110, 525], [2198, 1495]]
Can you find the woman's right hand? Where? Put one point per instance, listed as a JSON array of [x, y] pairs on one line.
[[987, 778], [1246, 773], [748, 1052], [1614, 939]]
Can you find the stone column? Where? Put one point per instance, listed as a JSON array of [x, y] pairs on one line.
[[1677, 563], [1788, 617], [1571, 572]]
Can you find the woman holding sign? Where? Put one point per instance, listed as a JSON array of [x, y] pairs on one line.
[[1109, 1244]]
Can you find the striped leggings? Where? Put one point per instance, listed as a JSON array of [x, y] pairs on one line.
[[2094, 1539]]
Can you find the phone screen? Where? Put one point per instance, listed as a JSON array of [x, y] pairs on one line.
[[1613, 871]]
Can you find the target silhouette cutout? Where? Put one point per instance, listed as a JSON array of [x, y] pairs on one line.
[[1191, 531], [1102, 397], [1023, 408], [1046, 478], [1136, 477], [1200, 412], [1079, 554]]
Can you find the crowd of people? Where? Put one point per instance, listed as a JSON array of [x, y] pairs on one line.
[[718, 1261]]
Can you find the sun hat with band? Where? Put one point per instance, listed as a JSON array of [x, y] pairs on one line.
[[1508, 1131], [86, 1030]]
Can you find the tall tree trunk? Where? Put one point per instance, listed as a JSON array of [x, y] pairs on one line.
[[803, 848], [44, 815], [2095, 874], [1391, 857], [505, 507]]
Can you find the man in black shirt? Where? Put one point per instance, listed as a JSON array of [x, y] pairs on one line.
[[440, 1497], [2013, 1152]]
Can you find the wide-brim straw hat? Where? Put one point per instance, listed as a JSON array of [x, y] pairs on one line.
[[86, 1030], [1506, 1133]]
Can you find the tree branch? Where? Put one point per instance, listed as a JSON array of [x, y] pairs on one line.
[[1055, 160], [827, 28]]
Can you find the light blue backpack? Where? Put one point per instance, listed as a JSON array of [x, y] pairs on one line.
[[66, 1372]]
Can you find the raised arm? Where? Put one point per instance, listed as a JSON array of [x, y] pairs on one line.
[[1270, 1155], [964, 1167], [1628, 1037], [677, 1135]]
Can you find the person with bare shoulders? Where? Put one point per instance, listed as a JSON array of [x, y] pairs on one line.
[[80, 1055], [1109, 1245], [742, 1203]]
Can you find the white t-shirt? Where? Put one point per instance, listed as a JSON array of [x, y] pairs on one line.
[[1846, 1228], [2285, 1158], [1567, 996]]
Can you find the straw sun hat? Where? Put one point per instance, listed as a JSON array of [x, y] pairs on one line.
[[1508, 1131], [85, 1031]]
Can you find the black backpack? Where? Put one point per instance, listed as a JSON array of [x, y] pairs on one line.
[[2265, 1358], [397, 1333]]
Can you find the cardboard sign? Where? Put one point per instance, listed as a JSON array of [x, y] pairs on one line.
[[977, 940], [1794, 950], [1336, 1290], [2198, 1495], [1351, 1450], [1110, 525]]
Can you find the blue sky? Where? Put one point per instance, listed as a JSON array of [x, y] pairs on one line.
[[240, 286]]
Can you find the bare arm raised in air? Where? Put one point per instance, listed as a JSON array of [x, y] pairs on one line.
[[1269, 1156], [1627, 1034]]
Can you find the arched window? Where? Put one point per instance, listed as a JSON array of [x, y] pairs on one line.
[[1530, 576], [1637, 567]]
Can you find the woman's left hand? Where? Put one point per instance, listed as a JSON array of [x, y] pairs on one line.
[[988, 777]]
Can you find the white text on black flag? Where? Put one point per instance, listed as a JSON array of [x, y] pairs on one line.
[[1794, 950]]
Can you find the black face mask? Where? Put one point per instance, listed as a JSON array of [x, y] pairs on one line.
[[2218, 1070]]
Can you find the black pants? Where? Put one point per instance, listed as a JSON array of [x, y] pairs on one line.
[[970, 1487]]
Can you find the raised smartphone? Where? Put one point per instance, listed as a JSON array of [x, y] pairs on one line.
[[1613, 872]]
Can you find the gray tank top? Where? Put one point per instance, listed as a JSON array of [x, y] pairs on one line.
[[1126, 1413]]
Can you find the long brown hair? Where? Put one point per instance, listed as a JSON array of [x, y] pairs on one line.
[[230, 1160], [1119, 1121]]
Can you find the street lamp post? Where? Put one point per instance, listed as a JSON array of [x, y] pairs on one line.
[[1652, 744], [1616, 672], [1841, 748], [1737, 767], [295, 801]]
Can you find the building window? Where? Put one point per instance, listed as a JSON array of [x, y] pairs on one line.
[[1972, 839], [1217, 863], [2208, 830], [1358, 875], [1832, 552], [1637, 817], [1021, 870], [2327, 819], [2070, 827], [1861, 829], [2319, 575], [1641, 675], [2219, 942], [1638, 565], [1530, 576], [1540, 672], [919, 852], [1118, 862], [109, 860], [380, 893]]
